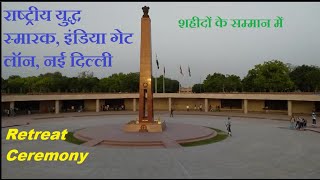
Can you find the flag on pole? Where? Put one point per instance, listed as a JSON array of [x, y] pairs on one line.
[[157, 61], [189, 71], [181, 71], [164, 71]]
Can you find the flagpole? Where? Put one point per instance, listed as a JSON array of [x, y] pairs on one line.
[[163, 80], [181, 72], [156, 84], [200, 84], [180, 80], [156, 78], [189, 73], [164, 88]]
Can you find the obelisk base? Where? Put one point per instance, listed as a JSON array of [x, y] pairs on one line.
[[136, 126]]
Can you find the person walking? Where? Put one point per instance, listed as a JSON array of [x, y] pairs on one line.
[[187, 107], [292, 120], [8, 112], [12, 112], [228, 125], [29, 111], [314, 118], [304, 123], [171, 112], [297, 123]]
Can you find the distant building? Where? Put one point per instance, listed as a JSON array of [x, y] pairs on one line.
[[250, 102], [186, 90]]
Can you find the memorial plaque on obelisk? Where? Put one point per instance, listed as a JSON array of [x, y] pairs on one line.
[[145, 90]]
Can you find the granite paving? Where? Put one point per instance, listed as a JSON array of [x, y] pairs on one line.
[[258, 148]]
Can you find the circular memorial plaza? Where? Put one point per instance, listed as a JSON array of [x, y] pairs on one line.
[[258, 148]]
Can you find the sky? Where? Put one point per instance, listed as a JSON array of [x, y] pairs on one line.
[[224, 50]]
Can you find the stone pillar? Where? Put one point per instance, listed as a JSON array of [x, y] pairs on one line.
[[169, 104], [145, 85], [97, 105], [134, 105], [57, 106], [12, 104], [245, 106], [289, 108], [206, 105]]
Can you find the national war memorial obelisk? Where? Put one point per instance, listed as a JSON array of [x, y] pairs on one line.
[[146, 122], [145, 130]]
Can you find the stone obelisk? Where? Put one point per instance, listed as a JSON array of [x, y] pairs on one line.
[[146, 123], [145, 89]]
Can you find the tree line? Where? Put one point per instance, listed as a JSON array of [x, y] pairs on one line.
[[270, 76], [84, 82]]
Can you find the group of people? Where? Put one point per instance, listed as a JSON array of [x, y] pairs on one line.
[[70, 108], [217, 108], [195, 107], [300, 123], [10, 112], [105, 107], [115, 107], [15, 110]]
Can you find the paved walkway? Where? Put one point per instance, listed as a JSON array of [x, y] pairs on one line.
[[36, 118], [259, 148], [315, 129]]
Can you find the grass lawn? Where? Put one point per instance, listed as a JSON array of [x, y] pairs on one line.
[[219, 137], [70, 138]]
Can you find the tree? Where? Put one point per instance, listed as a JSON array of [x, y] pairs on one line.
[[16, 84], [306, 78], [232, 83], [172, 86], [197, 88], [87, 82], [248, 81], [44, 84], [85, 74], [4, 85], [73, 84], [271, 76], [105, 84], [133, 82], [214, 83], [30, 84]]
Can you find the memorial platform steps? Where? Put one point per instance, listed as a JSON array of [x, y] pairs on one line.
[[92, 143], [132, 143], [168, 143], [95, 142], [172, 138]]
